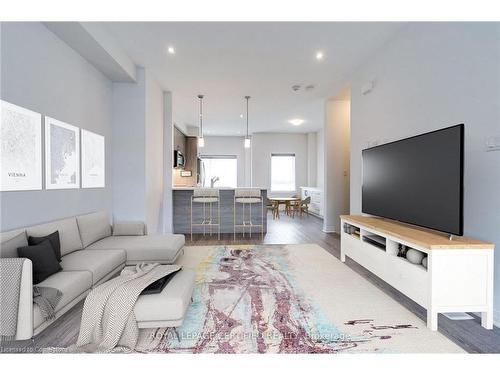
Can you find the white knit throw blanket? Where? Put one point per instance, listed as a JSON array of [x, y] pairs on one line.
[[108, 319], [10, 290]]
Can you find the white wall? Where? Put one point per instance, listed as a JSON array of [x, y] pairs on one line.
[[129, 157], [264, 144], [320, 158], [168, 155], [336, 163], [431, 76], [230, 146], [42, 73], [312, 159], [154, 154], [254, 165], [138, 156]]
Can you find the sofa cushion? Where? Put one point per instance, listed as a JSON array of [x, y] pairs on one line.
[[8, 249], [68, 233], [129, 228], [99, 262], [93, 227], [71, 284], [162, 248], [54, 241], [43, 258]]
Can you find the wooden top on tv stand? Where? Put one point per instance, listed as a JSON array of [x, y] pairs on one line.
[[426, 238]]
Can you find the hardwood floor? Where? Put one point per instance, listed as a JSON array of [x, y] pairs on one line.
[[468, 334], [282, 231]]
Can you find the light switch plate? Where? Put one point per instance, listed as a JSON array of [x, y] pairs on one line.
[[493, 143]]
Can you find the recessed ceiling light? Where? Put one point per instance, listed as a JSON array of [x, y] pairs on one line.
[[241, 116], [171, 50], [319, 55], [296, 121]]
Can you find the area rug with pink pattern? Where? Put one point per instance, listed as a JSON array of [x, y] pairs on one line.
[[288, 299]]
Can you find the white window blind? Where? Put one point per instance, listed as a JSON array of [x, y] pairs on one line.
[[283, 172]]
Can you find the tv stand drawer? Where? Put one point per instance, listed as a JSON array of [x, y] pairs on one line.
[[409, 279]]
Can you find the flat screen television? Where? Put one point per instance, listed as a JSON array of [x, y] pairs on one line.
[[417, 180]]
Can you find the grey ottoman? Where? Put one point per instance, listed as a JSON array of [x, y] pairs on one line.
[[168, 308]]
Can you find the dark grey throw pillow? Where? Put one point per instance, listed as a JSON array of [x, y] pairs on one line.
[[8, 249], [54, 241], [43, 258]]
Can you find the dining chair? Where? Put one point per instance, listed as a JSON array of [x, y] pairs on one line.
[[273, 206], [304, 206], [295, 207]]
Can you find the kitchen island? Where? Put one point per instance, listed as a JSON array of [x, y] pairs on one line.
[[182, 211]]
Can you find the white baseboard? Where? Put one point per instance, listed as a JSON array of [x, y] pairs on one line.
[[330, 229], [316, 215]]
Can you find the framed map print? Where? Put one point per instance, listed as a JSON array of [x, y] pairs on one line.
[[62, 155], [93, 160], [21, 148]]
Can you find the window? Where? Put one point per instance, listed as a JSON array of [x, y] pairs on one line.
[[283, 172], [224, 167]]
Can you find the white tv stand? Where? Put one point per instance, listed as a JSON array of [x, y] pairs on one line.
[[459, 274]]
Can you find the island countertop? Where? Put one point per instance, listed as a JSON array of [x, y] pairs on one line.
[[181, 196]]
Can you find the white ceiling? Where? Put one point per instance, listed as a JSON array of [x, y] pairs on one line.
[[226, 61]]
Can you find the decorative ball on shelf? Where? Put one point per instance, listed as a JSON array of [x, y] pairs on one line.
[[424, 262], [414, 256]]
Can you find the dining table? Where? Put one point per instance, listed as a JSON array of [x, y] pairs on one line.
[[287, 201]]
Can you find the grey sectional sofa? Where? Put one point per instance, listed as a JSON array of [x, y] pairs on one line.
[[92, 252]]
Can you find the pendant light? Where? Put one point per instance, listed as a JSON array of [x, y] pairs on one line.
[[247, 137], [201, 140]]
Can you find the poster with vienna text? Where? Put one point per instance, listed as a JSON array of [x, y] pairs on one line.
[[21, 148]]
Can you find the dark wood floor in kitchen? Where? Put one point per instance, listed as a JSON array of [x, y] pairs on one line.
[[466, 333]]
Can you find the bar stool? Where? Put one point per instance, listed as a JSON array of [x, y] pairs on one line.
[[248, 197], [206, 196]]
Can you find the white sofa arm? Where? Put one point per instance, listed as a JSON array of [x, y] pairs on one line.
[[24, 330], [25, 315], [129, 228]]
